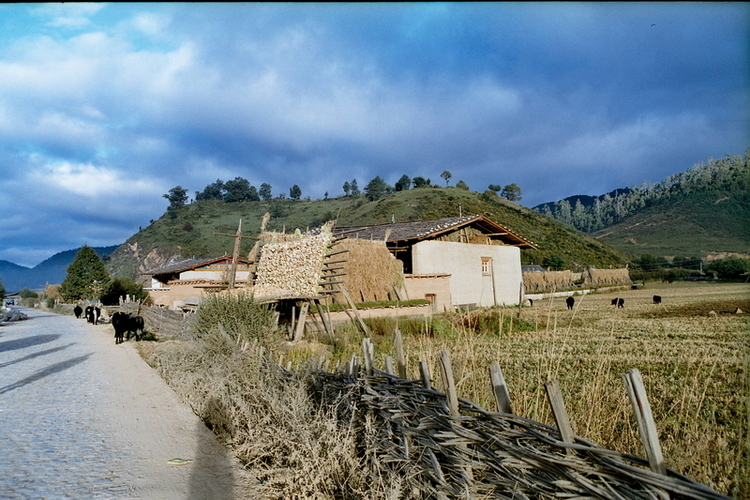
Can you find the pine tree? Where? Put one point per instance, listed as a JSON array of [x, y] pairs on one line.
[[87, 278]]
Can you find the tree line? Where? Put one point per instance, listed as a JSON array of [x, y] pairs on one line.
[[589, 214], [241, 189]]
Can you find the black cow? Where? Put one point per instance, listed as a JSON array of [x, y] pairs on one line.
[[657, 299], [92, 314], [618, 302], [570, 301], [77, 310], [121, 323], [135, 326]]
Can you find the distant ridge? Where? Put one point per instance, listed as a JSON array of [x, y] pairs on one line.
[[50, 271], [695, 213]]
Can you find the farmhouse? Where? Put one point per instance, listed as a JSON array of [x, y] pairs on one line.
[[455, 261], [182, 284]]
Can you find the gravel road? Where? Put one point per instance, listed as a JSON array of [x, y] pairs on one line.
[[83, 418]]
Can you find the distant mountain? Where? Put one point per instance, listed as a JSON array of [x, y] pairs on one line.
[[51, 271], [703, 210]]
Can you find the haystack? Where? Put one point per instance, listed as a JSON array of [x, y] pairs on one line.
[[372, 272], [601, 277], [548, 281]]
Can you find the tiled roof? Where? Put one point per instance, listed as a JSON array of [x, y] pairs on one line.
[[188, 264], [420, 230]]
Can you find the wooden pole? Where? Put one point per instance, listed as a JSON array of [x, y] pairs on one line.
[[554, 396], [300, 330], [500, 389], [424, 373], [646, 425], [448, 381], [400, 360]]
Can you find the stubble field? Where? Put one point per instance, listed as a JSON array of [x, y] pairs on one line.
[[694, 364]]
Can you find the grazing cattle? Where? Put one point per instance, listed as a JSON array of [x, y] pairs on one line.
[[77, 310], [135, 326], [92, 314], [570, 301], [620, 302], [657, 299], [120, 322]]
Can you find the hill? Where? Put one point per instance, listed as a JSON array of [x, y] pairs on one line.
[[691, 214], [49, 271], [190, 231]]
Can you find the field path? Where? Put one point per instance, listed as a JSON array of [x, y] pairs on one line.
[[81, 417]]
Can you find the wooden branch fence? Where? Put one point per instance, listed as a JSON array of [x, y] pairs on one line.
[[442, 446]]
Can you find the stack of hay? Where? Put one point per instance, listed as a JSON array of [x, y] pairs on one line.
[[600, 277], [548, 281], [292, 268], [372, 272]]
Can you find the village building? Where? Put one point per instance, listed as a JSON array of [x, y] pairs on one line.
[[181, 285], [453, 262]]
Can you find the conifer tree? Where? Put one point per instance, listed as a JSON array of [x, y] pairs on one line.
[[87, 278]]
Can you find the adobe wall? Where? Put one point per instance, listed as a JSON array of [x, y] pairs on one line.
[[434, 287], [468, 284]]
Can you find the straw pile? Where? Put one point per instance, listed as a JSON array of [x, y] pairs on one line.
[[291, 267], [548, 281], [372, 272], [599, 277]]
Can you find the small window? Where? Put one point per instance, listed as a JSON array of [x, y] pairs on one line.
[[486, 266]]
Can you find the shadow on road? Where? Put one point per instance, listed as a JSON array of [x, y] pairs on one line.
[[211, 476], [11, 345], [46, 372], [35, 355]]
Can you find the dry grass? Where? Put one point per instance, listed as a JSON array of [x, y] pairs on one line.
[[695, 368], [602, 277]]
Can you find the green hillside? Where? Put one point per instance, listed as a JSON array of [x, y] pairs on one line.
[[699, 223], [190, 230], [702, 210]]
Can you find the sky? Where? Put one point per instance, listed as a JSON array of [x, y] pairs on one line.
[[106, 107]]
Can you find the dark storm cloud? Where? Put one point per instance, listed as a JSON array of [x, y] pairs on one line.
[[104, 108]]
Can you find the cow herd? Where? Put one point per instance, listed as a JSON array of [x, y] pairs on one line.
[[124, 324], [618, 302]]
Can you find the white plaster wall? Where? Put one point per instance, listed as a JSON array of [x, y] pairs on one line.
[[463, 262]]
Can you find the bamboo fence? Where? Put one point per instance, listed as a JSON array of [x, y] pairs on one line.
[[442, 446]]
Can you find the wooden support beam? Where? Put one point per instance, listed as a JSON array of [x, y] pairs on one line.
[[424, 373]]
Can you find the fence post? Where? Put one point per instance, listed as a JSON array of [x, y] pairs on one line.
[[424, 373], [499, 388], [450, 384], [642, 408], [554, 396], [400, 359], [367, 349]]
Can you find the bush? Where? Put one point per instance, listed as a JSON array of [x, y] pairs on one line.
[[242, 318]]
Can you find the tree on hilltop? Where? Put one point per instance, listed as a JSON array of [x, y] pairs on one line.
[[86, 279], [214, 191], [177, 197], [446, 176], [403, 183], [265, 192], [375, 188]]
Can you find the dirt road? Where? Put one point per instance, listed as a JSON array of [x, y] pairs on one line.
[[83, 418]]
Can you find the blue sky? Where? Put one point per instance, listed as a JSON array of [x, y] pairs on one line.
[[105, 107]]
